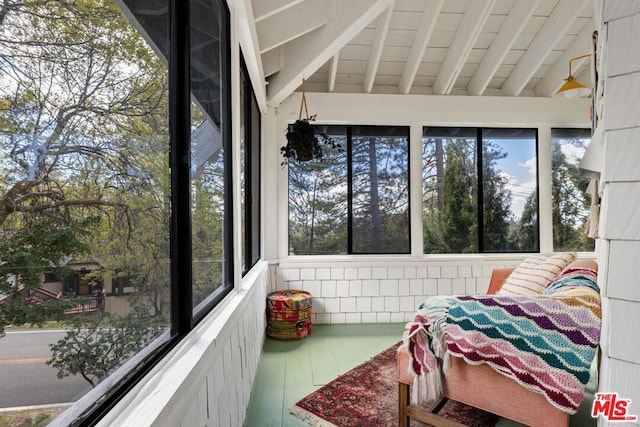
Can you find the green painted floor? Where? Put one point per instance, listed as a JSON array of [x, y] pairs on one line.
[[289, 370]]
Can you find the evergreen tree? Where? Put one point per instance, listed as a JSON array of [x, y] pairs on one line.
[[570, 207], [497, 214], [459, 214]]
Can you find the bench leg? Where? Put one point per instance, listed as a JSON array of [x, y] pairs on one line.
[[403, 404]]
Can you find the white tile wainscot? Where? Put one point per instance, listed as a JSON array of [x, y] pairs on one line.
[[369, 289]]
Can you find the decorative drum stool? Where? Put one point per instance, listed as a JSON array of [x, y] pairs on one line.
[[289, 314]]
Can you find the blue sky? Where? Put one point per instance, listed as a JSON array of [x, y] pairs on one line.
[[519, 166]]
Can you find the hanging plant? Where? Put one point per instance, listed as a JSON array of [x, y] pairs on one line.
[[303, 139]]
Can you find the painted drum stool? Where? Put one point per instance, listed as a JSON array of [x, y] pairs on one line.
[[289, 315]]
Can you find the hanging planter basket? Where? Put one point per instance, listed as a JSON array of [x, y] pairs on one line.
[[303, 139]]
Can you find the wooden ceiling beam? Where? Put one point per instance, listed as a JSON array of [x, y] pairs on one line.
[[466, 35], [554, 78], [382, 28], [263, 9], [292, 23], [305, 54], [333, 71], [504, 40], [552, 31], [427, 23]]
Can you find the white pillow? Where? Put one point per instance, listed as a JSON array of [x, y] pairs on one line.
[[535, 273]]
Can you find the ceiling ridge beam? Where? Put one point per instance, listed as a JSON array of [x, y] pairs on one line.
[[426, 25], [333, 71], [554, 78], [304, 55], [382, 28], [292, 23], [466, 35], [512, 26], [547, 38]]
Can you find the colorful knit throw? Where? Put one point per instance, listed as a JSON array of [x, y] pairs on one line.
[[546, 343]]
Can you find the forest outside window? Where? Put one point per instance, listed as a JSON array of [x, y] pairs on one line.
[[354, 200], [480, 190], [569, 190]]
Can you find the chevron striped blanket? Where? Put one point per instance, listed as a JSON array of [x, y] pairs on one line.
[[546, 343]]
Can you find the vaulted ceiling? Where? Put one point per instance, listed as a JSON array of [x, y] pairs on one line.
[[443, 47]]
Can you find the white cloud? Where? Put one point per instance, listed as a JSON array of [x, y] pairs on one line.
[[530, 165], [572, 153]]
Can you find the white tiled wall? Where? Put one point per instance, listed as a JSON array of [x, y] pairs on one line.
[[381, 291]]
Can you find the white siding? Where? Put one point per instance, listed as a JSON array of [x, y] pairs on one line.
[[619, 244]]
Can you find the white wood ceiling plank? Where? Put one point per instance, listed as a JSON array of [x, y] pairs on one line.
[[353, 52], [553, 29], [376, 49], [263, 9], [470, 26], [272, 61], [404, 20], [503, 42], [307, 53], [428, 21], [554, 78], [292, 23]]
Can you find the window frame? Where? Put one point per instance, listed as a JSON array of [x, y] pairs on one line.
[[348, 135], [252, 171], [479, 149], [88, 410]]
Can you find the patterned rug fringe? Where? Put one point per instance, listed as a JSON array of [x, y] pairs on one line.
[[309, 418]]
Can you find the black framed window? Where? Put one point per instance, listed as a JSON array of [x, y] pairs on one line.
[[127, 150], [210, 154], [480, 190], [354, 200], [250, 173]]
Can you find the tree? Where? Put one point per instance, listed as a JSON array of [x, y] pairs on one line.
[[496, 209], [459, 213], [84, 143], [451, 184], [318, 204], [570, 206], [96, 345]]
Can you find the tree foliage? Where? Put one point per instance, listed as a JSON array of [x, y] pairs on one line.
[[83, 145], [379, 197], [96, 345]]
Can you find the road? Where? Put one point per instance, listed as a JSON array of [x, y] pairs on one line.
[[25, 379]]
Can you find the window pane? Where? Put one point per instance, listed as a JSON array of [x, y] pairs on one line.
[[510, 190], [84, 142], [253, 239], [380, 189], [450, 202], [318, 201], [570, 201], [452, 172], [250, 172], [208, 151], [244, 142]]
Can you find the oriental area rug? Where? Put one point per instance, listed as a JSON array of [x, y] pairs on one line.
[[367, 396]]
